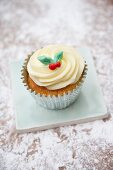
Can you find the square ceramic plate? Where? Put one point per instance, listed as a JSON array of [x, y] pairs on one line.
[[31, 117]]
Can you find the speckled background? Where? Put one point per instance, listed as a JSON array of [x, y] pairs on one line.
[[28, 25]]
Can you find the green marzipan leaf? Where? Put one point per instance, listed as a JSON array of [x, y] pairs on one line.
[[58, 56], [45, 60]]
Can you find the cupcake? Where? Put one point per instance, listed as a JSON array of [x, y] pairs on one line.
[[54, 75]]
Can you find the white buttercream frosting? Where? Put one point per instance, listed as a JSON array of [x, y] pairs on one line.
[[72, 66]]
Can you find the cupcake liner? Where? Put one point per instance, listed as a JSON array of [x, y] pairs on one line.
[[53, 102]]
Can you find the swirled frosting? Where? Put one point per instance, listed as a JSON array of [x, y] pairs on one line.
[[72, 66]]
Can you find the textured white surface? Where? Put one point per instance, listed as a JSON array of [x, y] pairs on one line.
[[27, 25]]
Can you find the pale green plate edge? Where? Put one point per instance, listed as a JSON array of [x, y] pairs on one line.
[[48, 126]]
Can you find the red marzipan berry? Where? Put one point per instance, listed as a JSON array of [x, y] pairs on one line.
[[58, 64], [52, 66]]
